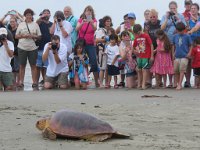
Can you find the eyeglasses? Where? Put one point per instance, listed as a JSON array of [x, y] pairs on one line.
[[153, 17]]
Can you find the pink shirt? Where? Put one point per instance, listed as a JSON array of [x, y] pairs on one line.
[[89, 36]]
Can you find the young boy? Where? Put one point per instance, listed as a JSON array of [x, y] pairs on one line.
[[112, 52], [196, 62], [182, 46], [143, 49]]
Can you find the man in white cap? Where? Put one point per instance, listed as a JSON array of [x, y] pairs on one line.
[[6, 54]]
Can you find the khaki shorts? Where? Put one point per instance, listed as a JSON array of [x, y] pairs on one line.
[[6, 78], [102, 60], [180, 65], [61, 79]]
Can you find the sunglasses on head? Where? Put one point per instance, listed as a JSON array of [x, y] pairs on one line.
[[153, 17]]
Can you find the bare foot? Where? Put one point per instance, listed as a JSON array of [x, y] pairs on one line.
[[178, 88]]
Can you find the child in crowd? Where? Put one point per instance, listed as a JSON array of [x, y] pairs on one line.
[[78, 61], [182, 44], [196, 62], [126, 52], [163, 62], [143, 48], [112, 52]]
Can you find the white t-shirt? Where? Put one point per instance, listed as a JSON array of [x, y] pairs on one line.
[[53, 69], [65, 40], [5, 59], [111, 52], [26, 43], [101, 32]]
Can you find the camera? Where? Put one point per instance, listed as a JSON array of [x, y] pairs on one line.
[[59, 19], [54, 46], [2, 37], [171, 13]]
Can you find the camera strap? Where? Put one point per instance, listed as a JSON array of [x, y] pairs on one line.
[[85, 30], [30, 32]]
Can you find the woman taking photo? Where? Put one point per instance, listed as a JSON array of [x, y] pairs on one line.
[[86, 27], [27, 33]]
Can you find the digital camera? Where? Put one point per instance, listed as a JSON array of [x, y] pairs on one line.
[[59, 19], [2, 37], [54, 46], [171, 13]]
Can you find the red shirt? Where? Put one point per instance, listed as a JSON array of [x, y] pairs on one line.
[[196, 57], [89, 36], [143, 41]]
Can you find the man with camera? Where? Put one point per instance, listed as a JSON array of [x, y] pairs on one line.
[[169, 21], [6, 53], [63, 29], [45, 26], [57, 70]]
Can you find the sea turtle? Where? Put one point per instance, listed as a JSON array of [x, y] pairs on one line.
[[77, 125]]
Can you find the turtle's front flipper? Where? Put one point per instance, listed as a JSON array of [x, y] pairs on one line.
[[97, 137], [48, 133]]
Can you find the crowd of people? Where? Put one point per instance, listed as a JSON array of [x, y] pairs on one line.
[[68, 49]]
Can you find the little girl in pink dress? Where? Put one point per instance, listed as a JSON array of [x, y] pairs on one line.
[[163, 62]]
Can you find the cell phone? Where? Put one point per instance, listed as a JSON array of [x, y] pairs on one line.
[[128, 25], [89, 18]]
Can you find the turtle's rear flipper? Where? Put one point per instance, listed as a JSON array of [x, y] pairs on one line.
[[48, 133], [121, 135]]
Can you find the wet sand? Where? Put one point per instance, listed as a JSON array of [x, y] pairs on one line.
[[155, 123]]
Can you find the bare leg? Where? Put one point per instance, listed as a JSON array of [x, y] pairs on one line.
[[33, 73], [139, 78], [101, 77], [22, 73], [144, 78], [180, 81], [96, 77], [164, 81]]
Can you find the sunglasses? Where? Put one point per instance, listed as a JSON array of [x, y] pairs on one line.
[[153, 17]]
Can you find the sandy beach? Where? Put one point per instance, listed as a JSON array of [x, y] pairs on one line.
[[155, 123]]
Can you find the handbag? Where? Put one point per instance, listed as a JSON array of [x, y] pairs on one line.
[[82, 39], [37, 42]]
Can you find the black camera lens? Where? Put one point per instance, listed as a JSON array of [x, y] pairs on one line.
[[59, 19], [2, 37], [171, 13], [54, 46]]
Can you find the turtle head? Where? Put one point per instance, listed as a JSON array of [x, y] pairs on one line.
[[42, 123]]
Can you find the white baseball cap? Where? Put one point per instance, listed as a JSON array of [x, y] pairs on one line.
[[3, 31]]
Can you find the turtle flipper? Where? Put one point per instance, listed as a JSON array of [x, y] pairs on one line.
[[97, 137], [48, 133]]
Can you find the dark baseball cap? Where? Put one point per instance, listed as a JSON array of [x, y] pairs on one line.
[[188, 2]]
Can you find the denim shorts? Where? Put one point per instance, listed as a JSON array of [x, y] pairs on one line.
[[39, 62], [91, 52], [25, 54]]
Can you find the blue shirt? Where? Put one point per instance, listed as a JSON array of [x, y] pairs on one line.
[[170, 29], [182, 43], [197, 33], [73, 20]]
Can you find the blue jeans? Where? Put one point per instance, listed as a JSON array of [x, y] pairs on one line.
[[91, 52], [39, 62]]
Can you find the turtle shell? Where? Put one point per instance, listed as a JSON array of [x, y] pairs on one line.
[[77, 124]]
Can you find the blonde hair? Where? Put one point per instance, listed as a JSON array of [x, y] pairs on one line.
[[153, 12]]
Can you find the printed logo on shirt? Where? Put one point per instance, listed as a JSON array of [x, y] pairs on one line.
[[141, 44], [180, 41]]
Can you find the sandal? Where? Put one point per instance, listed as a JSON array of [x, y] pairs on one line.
[[20, 85], [170, 86], [121, 84], [34, 85]]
